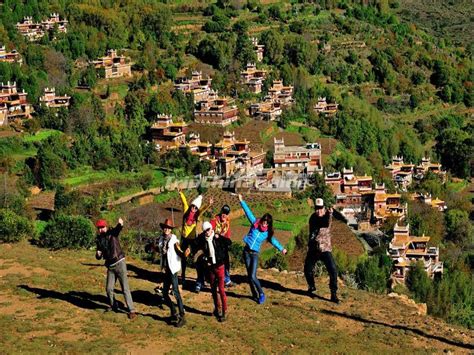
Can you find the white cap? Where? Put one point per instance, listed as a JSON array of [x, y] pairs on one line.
[[197, 202], [319, 202], [206, 225]]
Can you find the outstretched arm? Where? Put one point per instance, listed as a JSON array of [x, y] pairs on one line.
[[277, 245], [247, 210], [184, 201]]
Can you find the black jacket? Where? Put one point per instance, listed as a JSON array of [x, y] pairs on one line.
[[221, 246], [108, 243]]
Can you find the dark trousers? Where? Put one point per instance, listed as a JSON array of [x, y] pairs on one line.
[[185, 243], [312, 257], [171, 280], [251, 264], [216, 278]]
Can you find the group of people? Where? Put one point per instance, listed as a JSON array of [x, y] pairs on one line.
[[210, 250]]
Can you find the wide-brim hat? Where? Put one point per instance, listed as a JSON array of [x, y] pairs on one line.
[[167, 224]]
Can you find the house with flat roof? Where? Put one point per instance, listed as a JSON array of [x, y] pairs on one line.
[[253, 78], [281, 93], [10, 56], [405, 250], [325, 108], [220, 112], [258, 48], [304, 159], [51, 100], [113, 65], [13, 103], [197, 86], [34, 31], [167, 134]]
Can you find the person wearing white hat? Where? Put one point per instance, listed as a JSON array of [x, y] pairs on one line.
[[319, 248], [211, 257], [191, 215]]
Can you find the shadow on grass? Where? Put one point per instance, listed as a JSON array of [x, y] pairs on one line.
[[146, 275], [84, 300], [400, 327]]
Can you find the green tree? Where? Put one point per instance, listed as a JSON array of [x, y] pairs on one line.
[[372, 274], [418, 282], [319, 189], [459, 228], [456, 148]]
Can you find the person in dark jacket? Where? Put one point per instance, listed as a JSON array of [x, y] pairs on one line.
[[108, 248], [211, 255], [221, 226], [319, 248]]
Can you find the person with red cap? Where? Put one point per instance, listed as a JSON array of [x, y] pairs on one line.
[[108, 248]]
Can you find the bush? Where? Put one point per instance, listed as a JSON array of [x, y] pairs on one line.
[[277, 261], [72, 232], [372, 274], [419, 283], [236, 251], [13, 227]]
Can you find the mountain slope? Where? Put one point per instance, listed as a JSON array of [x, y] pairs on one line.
[[55, 301]]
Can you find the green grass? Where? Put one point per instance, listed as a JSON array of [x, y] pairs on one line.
[[456, 186], [166, 196], [40, 135]]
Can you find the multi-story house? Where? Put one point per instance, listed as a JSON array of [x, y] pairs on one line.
[[281, 93], [51, 100], [304, 159], [13, 104], [220, 112], [33, 31], [167, 134], [259, 48], [267, 110], [427, 166], [436, 203], [405, 250], [387, 205], [113, 65], [198, 86], [325, 108], [10, 57], [402, 173], [253, 78]]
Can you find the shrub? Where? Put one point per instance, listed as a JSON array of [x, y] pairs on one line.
[[418, 282], [372, 274], [72, 232], [277, 261], [235, 252], [13, 227]]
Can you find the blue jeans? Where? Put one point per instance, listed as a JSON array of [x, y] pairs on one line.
[[171, 280], [251, 263], [226, 275]]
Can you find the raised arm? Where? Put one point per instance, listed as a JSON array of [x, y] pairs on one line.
[[248, 212], [184, 201]]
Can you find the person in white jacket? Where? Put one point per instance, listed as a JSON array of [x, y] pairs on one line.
[[171, 254]]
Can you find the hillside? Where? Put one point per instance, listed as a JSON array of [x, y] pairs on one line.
[[53, 302]]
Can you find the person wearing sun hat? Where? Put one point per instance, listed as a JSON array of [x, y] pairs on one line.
[[108, 248], [170, 261], [191, 216], [319, 248]]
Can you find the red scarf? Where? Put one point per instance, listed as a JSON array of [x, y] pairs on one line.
[[191, 218], [259, 226]]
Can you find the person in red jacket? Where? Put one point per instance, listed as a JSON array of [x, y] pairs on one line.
[[221, 226]]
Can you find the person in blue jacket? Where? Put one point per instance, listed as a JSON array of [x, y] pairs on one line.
[[261, 230]]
